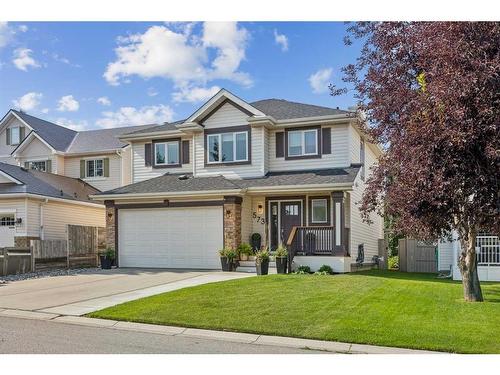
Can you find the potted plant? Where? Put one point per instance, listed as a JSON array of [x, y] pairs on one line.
[[244, 250], [107, 258], [227, 256], [262, 262], [281, 256], [256, 241]]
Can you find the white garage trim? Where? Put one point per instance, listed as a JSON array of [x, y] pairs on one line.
[[173, 237]]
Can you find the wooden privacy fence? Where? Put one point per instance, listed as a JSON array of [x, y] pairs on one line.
[[80, 248], [417, 256], [15, 260]]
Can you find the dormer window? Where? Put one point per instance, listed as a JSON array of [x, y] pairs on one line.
[[15, 135], [229, 147]]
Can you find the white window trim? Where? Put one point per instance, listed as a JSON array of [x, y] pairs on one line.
[[219, 135], [303, 142], [166, 152], [38, 161], [87, 177], [326, 211], [12, 143]]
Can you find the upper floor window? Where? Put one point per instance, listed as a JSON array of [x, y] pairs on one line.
[[167, 153], [303, 142], [15, 135], [94, 168], [227, 147], [38, 165]]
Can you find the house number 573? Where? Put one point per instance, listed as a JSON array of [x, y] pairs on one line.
[[258, 219]]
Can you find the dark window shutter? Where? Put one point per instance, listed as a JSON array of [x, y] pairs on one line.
[[185, 152], [27, 165], [48, 166], [280, 144], [326, 139], [147, 154], [21, 134], [8, 136], [82, 168], [106, 167]]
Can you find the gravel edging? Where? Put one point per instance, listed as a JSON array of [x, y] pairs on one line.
[[49, 273]]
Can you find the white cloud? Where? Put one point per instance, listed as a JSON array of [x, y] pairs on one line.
[[152, 91], [45, 110], [6, 34], [319, 81], [177, 54], [23, 60], [23, 28], [281, 40], [64, 60], [28, 102], [68, 104], [104, 100], [194, 94], [78, 125], [128, 116]]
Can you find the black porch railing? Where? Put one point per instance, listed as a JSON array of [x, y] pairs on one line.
[[315, 241]]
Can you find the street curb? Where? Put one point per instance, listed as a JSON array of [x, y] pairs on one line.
[[247, 338]]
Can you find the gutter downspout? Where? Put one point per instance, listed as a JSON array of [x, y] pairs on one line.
[[42, 231]]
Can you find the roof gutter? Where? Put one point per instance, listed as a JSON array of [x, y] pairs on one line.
[[301, 188], [44, 197], [102, 197]]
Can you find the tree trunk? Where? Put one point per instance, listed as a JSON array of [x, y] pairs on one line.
[[467, 263]]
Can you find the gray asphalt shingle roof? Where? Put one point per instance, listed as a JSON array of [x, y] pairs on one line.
[[158, 128], [55, 135], [282, 109], [46, 184], [169, 183]]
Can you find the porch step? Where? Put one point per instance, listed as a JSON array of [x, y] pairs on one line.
[[251, 263], [272, 270]]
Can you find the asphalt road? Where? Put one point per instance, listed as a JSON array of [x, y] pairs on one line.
[[37, 336]]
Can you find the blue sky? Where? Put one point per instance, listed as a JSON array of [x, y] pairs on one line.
[[94, 75]]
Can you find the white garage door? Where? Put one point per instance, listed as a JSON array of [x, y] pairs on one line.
[[170, 237]]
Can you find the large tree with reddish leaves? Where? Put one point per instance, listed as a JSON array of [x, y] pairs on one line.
[[430, 92]]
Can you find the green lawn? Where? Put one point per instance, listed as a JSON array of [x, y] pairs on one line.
[[375, 307]]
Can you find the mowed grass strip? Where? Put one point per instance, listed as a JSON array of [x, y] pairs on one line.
[[382, 308]]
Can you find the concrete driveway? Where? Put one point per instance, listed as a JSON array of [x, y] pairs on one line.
[[83, 293]]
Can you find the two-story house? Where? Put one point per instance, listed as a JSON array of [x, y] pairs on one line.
[[95, 160], [292, 172]]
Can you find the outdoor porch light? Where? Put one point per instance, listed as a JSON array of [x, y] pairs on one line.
[[260, 208], [229, 214]]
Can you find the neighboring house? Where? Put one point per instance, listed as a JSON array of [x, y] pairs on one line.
[[38, 205], [96, 156], [488, 256], [292, 172]]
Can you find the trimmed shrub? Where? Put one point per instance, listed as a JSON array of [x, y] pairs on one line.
[[393, 263], [326, 268]]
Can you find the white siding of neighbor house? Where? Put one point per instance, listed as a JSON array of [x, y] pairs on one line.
[[33, 207], [57, 214], [19, 205], [141, 172], [72, 169], [355, 145], [126, 167], [445, 255], [6, 149], [338, 158], [227, 115], [361, 232], [58, 164], [36, 150], [255, 169], [265, 163]]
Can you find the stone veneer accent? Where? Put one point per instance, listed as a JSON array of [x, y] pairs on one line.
[[232, 221], [110, 225]]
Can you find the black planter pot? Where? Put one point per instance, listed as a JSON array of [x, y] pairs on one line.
[[256, 242], [262, 268], [227, 264], [105, 262], [281, 264]]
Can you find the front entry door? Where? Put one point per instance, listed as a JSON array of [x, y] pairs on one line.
[[284, 216]]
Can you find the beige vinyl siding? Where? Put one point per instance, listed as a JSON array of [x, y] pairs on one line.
[[36, 150], [257, 225], [141, 172], [58, 165], [126, 166], [338, 158], [246, 219], [362, 232], [57, 214], [33, 207], [19, 205], [265, 162], [72, 169], [255, 169], [355, 146], [6, 149], [227, 115]]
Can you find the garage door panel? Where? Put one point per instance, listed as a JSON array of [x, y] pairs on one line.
[[170, 237]]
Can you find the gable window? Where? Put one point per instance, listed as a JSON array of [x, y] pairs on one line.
[[319, 211], [303, 142], [227, 147], [167, 153], [38, 165], [15, 136], [94, 168]]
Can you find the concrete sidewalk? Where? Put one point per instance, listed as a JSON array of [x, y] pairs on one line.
[[251, 339]]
